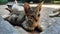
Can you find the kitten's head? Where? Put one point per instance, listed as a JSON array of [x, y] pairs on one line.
[[32, 13]]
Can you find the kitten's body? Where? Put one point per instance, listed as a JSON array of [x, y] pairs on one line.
[[15, 17], [33, 15]]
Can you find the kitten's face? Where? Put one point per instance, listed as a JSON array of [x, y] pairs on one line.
[[33, 14]]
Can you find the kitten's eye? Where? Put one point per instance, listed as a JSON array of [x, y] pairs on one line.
[[32, 16], [38, 15]]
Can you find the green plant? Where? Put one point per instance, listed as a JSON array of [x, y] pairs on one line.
[[3, 1]]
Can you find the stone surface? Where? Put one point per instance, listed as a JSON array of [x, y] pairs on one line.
[[50, 25], [6, 27]]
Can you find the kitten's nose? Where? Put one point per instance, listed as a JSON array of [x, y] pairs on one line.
[[34, 18]]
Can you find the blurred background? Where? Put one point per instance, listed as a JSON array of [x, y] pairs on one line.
[[34, 1]]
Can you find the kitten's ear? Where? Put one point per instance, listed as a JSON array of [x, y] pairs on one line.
[[26, 7], [10, 10], [39, 6]]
